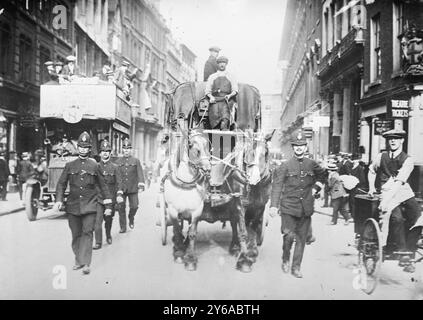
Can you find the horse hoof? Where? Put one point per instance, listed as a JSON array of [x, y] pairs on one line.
[[179, 260], [190, 266], [245, 268]]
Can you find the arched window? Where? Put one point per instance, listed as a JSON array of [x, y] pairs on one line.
[[5, 49]]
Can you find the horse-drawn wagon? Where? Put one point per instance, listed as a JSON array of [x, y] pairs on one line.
[[215, 175]]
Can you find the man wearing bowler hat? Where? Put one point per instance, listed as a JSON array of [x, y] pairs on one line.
[[211, 64], [393, 168], [221, 89], [295, 185], [132, 181], [85, 182], [112, 177]]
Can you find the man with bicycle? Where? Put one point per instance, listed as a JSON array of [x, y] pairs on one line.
[[393, 168]]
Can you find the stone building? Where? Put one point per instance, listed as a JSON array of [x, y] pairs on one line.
[[393, 79], [31, 33], [300, 54], [341, 69]]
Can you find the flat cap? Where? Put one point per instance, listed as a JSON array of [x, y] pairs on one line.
[[214, 48], [394, 133], [222, 59]]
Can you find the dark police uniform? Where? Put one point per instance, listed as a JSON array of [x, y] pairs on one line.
[[292, 188], [84, 177], [132, 175], [112, 177]]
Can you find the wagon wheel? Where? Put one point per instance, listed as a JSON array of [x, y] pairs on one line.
[[370, 256], [262, 227], [31, 202]]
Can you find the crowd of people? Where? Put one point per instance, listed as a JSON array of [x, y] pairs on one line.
[[61, 73]]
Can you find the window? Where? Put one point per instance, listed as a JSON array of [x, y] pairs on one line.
[[5, 49], [44, 57], [26, 63], [375, 50], [398, 23]]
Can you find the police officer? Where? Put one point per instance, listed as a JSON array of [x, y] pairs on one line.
[[132, 180], [397, 165], [84, 177], [112, 177], [295, 184]]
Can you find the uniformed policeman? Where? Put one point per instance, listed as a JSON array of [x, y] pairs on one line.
[[112, 177], [396, 165], [85, 179], [295, 184], [132, 181]]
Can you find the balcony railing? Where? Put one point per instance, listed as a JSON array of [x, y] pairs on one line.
[[354, 37]]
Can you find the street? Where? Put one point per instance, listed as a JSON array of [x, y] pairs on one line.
[[137, 266]]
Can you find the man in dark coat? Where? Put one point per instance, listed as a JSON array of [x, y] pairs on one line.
[[346, 164], [221, 89], [25, 170], [4, 176], [112, 177], [132, 181], [295, 185], [211, 64], [85, 179]]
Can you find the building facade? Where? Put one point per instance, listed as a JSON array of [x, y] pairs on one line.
[[341, 71], [31, 33], [300, 54], [393, 79], [91, 36], [144, 46]]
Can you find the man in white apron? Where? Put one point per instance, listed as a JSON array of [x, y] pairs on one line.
[[400, 210]]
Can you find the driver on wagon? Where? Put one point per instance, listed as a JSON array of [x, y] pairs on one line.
[[221, 89], [394, 168]]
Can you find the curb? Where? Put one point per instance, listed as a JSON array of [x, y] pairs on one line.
[[323, 213], [5, 213]]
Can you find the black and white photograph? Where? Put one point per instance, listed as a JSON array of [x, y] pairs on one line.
[[213, 154]]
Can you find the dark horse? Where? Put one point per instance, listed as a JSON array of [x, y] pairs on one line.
[[256, 188]]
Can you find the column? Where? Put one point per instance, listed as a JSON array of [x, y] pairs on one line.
[[330, 28], [345, 18], [365, 139], [337, 108], [346, 118], [90, 12]]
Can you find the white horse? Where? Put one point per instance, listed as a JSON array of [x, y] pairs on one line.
[[185, 192]]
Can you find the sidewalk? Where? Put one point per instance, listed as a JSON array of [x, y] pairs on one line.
[[320, 210], [12, 205]]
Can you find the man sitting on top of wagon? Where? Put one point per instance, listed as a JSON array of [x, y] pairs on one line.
[[394, 168], [221, 89]]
